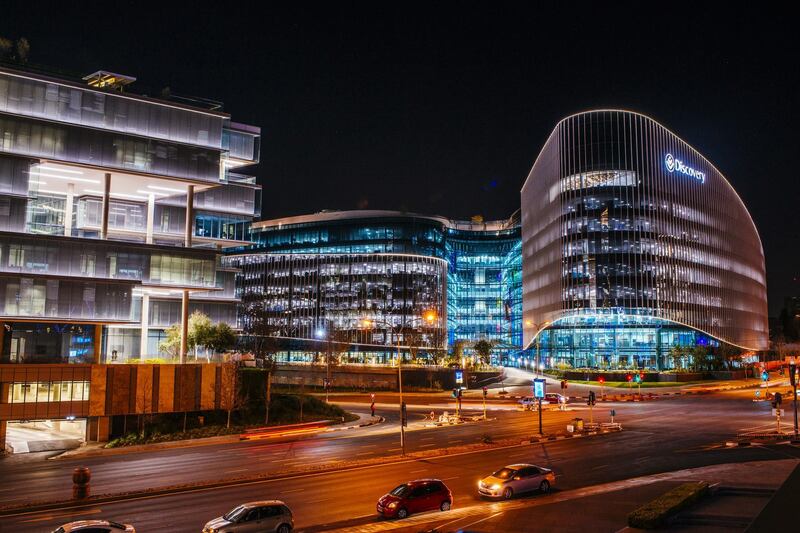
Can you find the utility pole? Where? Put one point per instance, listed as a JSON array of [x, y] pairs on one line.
[[793, 382], [540, 417]]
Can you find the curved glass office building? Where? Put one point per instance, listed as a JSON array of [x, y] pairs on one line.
[[317, 276], [632, 243]]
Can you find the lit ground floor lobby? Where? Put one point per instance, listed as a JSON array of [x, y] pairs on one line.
[[44, 435]]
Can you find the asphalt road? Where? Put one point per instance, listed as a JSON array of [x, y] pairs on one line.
[[659, 436], [28, 479]]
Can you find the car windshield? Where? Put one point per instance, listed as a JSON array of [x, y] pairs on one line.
[[235, 514], [401, 491], [504, 473]]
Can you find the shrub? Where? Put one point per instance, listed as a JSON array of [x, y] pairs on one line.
[[655, 513]]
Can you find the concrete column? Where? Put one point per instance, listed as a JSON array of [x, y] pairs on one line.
[[3, 429], [184, 325], [98, 344], [68, 209], [189, 216], [106, 206], [98, 428], [2, 339], [151, 215], [145, 326]]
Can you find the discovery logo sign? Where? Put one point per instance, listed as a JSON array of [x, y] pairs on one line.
[[676, 165]]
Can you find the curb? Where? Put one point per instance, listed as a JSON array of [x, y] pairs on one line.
[[379, 420]]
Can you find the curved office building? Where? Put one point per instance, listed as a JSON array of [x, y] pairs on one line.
[[317, 276], [633, 242]]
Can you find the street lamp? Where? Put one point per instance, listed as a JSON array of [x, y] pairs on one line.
[[429, 317], [539, 328]]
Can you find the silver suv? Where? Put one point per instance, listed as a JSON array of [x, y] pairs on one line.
[[515, 479]]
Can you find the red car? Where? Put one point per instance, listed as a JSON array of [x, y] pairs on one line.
[[415, 497]]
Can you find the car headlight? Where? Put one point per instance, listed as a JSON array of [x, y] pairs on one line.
[[392, 505], [495, 487]]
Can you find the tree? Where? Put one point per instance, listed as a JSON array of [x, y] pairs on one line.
[[483, 349], [437, 355], [261, 339], [728, 354], [230, 391], [457, 352], [677, 354], [413, 339], [201, 333], [222, 338], [16, 52]]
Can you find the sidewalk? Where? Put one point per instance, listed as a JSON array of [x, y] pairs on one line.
[[96, 449]]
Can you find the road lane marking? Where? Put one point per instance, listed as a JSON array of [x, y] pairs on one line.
[[481, 520], [320, 501], [62, 515], [237, 470], [449, 478], [291, 490], [426, 445], [416, 471]]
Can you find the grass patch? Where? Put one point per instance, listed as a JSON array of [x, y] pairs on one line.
[[656, 513], [634, 387], [283, 409]]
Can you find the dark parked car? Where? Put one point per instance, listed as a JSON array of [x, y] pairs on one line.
[[415, 497]]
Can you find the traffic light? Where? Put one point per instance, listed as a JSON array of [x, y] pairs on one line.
[[455, 393], [641, 377], [776, 400], [637, 378], [793, 374], [403, 415], [601, 379], [485, 392], [629, 378], [592, 399]]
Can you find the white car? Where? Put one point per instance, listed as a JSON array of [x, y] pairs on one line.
[[516, 479], [267, 515], [95, 526]]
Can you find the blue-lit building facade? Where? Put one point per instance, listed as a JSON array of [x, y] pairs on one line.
[[319, 276], [634, 243], [114, 211]]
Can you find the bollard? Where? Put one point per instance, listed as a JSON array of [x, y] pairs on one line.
[[81, 477]]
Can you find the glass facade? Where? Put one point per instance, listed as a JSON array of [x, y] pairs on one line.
[[312, 296], [93, 211], [484, 292], [633, 242], [327, 271]]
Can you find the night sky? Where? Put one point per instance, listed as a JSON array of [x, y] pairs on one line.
[[442, 110]]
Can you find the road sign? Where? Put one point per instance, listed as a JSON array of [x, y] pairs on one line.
[[538, 388], [459, 377]]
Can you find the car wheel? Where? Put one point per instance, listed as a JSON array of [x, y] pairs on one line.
[[445, 506], [544, 486], [508, 493], [402, 513], [284, 528]]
